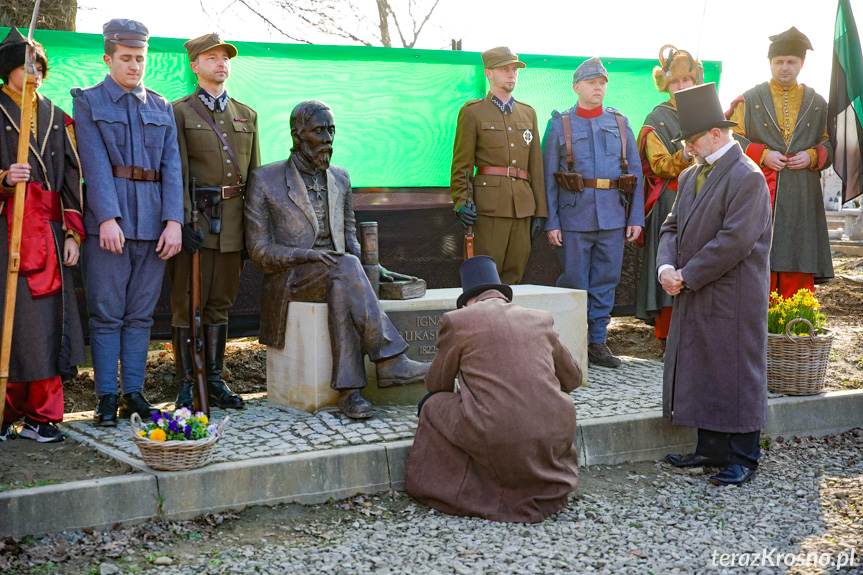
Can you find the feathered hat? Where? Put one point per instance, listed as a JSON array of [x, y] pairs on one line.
[[13, 52], [676, 64]]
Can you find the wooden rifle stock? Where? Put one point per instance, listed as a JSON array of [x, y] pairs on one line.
[[468, 231], [196, 339]]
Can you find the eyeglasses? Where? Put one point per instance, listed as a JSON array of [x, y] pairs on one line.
[[691, 140]]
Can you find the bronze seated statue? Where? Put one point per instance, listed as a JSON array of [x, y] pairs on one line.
[[301, 232]]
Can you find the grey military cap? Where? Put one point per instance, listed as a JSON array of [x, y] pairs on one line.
[[126, 32], [590, 68]]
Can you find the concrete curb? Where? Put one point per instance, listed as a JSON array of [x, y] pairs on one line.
[[77, 505], [338, 473]]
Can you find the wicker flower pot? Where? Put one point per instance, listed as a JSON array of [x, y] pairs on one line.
[[797, 364], [175, 455]]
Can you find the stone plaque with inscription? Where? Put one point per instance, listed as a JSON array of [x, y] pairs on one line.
[[420, 329]]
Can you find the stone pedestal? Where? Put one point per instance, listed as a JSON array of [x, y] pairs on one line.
[[299, 375]]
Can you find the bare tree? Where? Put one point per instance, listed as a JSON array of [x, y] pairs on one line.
[[364, 22], [53, 14]]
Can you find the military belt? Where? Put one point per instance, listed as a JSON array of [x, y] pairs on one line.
[[227, 192], [508, 172], [137, 173], [600, 184]]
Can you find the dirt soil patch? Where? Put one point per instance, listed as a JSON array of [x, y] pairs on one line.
[[27, 463]]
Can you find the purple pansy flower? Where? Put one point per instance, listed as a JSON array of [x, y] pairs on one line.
[[188, 431], [173, 427]]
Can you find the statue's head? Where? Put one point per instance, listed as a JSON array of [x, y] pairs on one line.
[[312, 130]]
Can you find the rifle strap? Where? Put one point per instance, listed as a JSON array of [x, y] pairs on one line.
[[212, 124], [567, 136], [621, 127]]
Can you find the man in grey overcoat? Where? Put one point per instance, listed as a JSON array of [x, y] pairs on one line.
[[301, 232], [714, 259]]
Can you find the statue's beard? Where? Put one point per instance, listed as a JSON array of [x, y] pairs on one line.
[[318, 158]]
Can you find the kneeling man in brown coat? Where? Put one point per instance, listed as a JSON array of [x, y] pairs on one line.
[[500, 447]]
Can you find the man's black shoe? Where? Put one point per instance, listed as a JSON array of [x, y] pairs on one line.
[[692, 460], [106, 412], [135, 402], [6, 432], [734, 474], [599, 354]]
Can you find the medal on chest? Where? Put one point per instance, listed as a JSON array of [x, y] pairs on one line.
[[528, 137]]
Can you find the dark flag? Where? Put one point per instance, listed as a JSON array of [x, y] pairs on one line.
[[845, 109]]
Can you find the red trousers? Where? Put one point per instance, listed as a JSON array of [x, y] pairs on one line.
[[662, 322], [789, 283], [41, 401]]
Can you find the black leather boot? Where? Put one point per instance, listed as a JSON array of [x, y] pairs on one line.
[[106, 413], [215, 338], [182, 367]]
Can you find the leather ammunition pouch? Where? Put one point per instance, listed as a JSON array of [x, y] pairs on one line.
[[571, 181], [209, 201], [626, 183]]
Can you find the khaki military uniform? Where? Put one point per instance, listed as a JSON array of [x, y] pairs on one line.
[[487, 137], [206, 159]]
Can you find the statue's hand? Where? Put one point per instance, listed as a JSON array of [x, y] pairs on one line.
[[388, 276], [327, 258]]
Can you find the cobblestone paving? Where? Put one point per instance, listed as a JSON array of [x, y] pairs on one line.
[[262, 430]]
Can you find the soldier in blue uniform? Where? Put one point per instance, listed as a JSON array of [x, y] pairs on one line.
[[595, 199], [133, 214]]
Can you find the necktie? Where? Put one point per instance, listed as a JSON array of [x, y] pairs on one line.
[[702, 177]]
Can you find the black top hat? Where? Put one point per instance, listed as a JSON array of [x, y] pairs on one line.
[[699, 110], [479, 274]]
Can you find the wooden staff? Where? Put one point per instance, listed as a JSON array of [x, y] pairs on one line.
[[27, 92]]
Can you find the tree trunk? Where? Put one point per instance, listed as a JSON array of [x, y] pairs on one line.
[[53, 14], [384, 14]]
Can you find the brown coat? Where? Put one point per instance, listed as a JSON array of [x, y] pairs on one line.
[[716, 360], [280, 227], [205, 159], [502, 448], [485, 136]]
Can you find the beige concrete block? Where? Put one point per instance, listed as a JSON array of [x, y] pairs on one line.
[[299, 375]]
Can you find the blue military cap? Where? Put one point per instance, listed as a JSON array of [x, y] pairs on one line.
[[126, 32], [590, 68]]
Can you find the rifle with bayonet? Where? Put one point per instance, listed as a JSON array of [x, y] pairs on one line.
[[196, 336]]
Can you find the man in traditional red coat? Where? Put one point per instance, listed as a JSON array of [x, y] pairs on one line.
[[782, 127]]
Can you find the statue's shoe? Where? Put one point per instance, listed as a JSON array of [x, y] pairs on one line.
[[354, 405], [400, 370]]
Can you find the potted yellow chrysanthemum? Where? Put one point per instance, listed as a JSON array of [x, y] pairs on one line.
[[798, 346]]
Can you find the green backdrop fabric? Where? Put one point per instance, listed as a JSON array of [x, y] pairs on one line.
[[395, 109]]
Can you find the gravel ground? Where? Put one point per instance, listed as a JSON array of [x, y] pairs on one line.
[[627, 519]]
